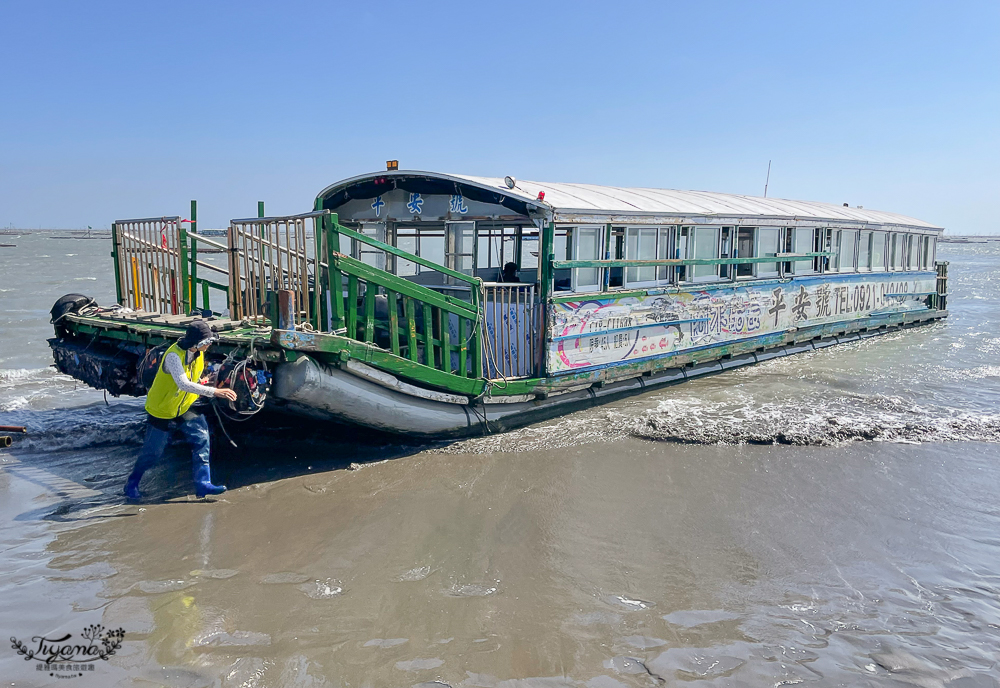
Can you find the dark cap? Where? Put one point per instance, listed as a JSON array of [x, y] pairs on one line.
[[198, 333]]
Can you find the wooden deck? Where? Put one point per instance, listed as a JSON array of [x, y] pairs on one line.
[[218, 324]]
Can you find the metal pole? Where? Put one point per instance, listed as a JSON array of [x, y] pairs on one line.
[[186, 263], [547, 254], [193, 283], [116, 258]]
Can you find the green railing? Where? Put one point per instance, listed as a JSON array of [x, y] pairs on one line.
[[778, 259], [415, 322], [343, 296], [198, 284], [676, 262]]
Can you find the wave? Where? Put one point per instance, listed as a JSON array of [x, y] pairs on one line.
[[9, 375], [78, 428], [830, 423]]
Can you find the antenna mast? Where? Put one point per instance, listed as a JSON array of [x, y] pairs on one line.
[[768, 180]]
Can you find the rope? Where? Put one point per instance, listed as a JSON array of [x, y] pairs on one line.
[[223, 427]]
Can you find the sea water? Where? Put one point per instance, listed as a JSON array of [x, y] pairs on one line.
[[829, 518]]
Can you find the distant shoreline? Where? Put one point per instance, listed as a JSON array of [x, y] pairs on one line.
[[968, 239], [70, 233]]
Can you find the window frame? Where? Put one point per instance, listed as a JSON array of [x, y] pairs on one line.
[[882, 258], [693, 249], [852, 265], [896, 252], [745, 271], [766, 274], [865, 249], [574, 281], [657, 232], [912, 252], [800, 267]]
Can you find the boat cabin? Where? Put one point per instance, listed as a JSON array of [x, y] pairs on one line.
[[478, 225]]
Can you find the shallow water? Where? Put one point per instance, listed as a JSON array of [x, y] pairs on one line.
[[829, 518]]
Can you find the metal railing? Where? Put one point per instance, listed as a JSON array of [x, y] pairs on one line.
[[156, 264], [510, 330], [780, 259], [268, 254], [150, 264], [411, 320], [338, 294]]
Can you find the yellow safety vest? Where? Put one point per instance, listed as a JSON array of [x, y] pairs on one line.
[[164, 399]]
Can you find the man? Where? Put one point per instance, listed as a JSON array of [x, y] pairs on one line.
[[168, 404]]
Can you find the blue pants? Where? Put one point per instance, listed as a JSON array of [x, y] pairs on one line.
[[193, 426]]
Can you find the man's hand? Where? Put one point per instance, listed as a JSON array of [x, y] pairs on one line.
[[225, 394]]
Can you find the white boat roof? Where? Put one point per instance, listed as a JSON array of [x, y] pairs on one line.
[[569, 202]]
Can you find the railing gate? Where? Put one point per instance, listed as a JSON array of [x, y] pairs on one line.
[[510, 330], [269, 254], [152, 272]]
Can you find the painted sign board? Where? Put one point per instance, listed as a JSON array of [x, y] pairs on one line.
[[605, 330]]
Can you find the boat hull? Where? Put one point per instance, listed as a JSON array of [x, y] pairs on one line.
[[310, 388]]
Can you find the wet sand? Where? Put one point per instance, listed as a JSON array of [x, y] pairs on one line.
[[610, 563]]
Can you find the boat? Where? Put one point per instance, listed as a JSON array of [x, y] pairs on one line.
[[441, 306]]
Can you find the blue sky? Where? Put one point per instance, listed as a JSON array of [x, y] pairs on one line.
[[113, 110]]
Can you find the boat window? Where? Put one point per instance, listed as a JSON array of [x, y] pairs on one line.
[[726, 251], [788, 246], [496, 246], [913, 252], [925, 253], [529, 248], [665, 251], [706, 246], [647, 243], [683, 250], [370, 254], [431, 243], [805, 242], [833, 246], [878, 251], [587, 244], [406, 239], [561, 243], [767, 245], [424, 241], [460, 241], [896, 251], [640, 244], [847, 250], [864, 251], [745, 238]]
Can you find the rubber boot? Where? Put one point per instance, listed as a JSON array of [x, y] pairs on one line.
[[203, 483], [132, 486]]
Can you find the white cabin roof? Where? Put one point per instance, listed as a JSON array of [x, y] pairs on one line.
[[578, 199], [590, 203]]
